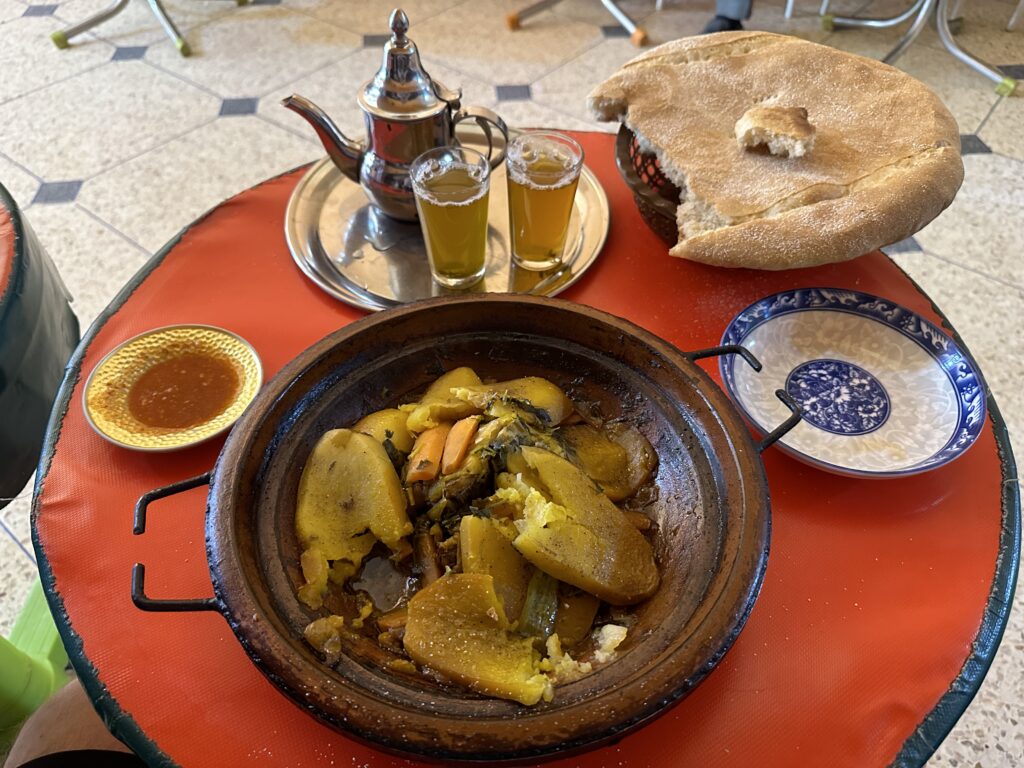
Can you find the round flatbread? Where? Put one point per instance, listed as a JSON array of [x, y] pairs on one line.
[[884, 162]]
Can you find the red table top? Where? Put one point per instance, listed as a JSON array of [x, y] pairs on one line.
[[859, 646]]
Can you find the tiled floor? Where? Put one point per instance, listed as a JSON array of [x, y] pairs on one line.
[[114, 145]]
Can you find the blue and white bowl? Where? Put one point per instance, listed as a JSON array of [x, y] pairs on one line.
[[884, 392]]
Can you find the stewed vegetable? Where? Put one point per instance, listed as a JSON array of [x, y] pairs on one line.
[[473, 536]]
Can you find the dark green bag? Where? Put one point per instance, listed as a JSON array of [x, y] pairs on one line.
[[38, 333]]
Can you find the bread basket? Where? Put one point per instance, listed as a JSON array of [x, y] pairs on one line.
[[656, 197]]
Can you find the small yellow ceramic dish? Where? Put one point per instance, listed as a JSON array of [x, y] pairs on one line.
[[172, 387]]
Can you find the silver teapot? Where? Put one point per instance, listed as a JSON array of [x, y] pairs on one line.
[[406, 112]]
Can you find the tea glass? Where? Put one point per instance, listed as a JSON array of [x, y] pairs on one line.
[[451, 186], [543, 170]]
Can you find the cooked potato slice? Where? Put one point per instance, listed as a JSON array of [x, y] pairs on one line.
[[603, 460], [458, 627], [324, 634], [576, 534], [642, 458], [349, 498], [483, 548], [389, 424], [315, 571], [438, 404], [531, 395], [618, 458]]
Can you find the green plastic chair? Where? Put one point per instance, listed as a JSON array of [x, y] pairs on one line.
[[32, 666]]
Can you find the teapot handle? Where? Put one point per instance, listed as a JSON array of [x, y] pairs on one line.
[[485, 118]]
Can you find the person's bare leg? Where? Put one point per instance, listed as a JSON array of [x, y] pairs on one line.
[[67, 721]]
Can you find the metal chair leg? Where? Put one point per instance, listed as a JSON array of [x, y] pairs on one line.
[[638, 35], [1012, 24], [877, 23], [927, 8], [169, 28], [789, 9], [1004, 85], [62, 37], [515, 20], [824, 8]]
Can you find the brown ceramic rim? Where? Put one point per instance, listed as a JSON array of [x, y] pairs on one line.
[[406, 727]]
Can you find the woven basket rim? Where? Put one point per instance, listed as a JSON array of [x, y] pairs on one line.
[[640, 188]]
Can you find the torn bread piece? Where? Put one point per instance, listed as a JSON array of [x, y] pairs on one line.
[[785, 131], [873, 177]]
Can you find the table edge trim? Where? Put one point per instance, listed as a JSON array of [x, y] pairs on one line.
[[950, 707]]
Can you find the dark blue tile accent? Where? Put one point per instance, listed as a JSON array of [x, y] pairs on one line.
[[57, 192], [375, 41], [910, 245], [513, 92], [40, 10], [972, 145], [1016, 71], [265, 2], [233, 107], [129, 52], [614, 30]]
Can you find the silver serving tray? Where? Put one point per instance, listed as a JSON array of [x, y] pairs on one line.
[[362, 257]]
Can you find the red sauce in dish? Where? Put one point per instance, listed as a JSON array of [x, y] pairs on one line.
[[183, 391]]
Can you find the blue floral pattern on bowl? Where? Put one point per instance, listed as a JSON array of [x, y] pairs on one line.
[[934, 397], [839, 397]]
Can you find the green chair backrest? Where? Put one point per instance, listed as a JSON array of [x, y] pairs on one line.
[[32, 665]]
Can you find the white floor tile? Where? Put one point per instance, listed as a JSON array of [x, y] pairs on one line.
[[29, 60], [1004, 129], [472, 38], [370, 17], [80, 126], [17, 574], [983, 230], [20, 184], [255, 50], [181, 180], [9, 9]]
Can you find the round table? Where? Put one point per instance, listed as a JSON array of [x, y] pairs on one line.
[[882, 607]]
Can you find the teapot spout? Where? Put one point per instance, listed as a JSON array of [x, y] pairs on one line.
[[345, 153]]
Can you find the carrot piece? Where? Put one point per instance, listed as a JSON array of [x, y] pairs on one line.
[[425, 459], [457, 445]]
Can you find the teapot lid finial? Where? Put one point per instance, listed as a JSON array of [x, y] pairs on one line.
[[399, 24], [402, 89]]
